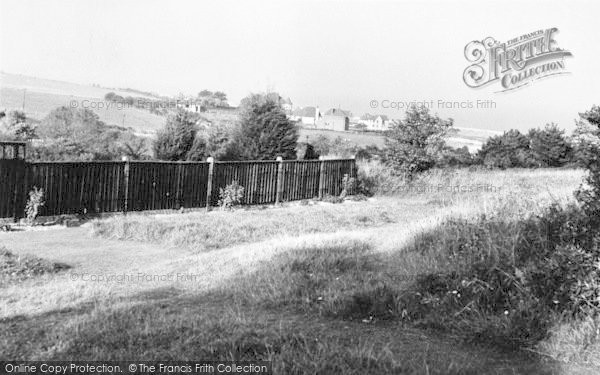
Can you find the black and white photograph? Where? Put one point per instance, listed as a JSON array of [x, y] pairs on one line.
[[299, 187]]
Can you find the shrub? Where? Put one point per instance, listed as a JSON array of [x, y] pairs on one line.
[[509, 150], [508, 281], [265, 132], [328, 198], [412, 145], [348, 185], [176, 139], [376, 178], [231, 196], [19, 267], [590, 196], [549, 146], [34, 203]]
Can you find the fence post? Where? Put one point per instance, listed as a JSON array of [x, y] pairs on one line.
[[211, 164], [20, 197], [126, 187], [279, 180], [354, 174], [321, 177]]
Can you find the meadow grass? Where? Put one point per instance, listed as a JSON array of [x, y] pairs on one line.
[[313, 294], [203, 231]]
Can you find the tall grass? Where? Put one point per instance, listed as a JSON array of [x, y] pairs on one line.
[[214, 230], [317, 298]]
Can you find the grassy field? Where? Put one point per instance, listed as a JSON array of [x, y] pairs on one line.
[[42, 96], [316, 288], [472, 138]]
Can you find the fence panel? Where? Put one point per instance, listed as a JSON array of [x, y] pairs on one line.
[[78, 187], [334, 173], [301, 179], [96, 187], [259, 179], [12, 185]]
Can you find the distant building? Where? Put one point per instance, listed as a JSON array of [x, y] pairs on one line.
[[287, 105], [190, 105], [335, 119], [307, 116], [375, 122]]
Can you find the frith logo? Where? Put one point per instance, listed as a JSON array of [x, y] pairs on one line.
[[515, 63]]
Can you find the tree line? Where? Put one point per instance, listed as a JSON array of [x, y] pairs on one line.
[[262, 131]]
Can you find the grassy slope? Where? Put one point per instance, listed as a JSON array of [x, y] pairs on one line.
[[287, 298], [42, 96], [472, 138]]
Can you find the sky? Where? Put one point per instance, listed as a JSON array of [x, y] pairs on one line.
[[346, 54]]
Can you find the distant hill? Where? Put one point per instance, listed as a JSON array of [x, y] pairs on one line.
[[40, 96]]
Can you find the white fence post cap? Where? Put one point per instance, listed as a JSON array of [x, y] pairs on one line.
[[279, 158], [210, 159]]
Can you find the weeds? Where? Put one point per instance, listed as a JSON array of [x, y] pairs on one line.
[[231, 196], [34, 203]]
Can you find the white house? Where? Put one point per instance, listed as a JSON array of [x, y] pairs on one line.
[[189, 105], [375, 122], [307, 116]]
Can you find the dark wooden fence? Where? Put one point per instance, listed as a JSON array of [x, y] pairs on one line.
[[121, 186]]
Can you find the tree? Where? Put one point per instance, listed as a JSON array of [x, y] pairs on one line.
[[411, 145], [198, 150], [176, 139], [586, 137], [79, 125], [220, 99], [549, 146], [454, 157], [306, 151], [205, 94], [265, 132], [220, 141], [16, 126], [322, 144], [590, 196], [509, 150], [78, 134]]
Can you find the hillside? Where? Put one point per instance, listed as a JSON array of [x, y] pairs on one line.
[[40, 96]]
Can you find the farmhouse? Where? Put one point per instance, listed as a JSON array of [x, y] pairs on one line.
[[335, 119], [307, 116], [190, 105], [375, 122], [287, 105]]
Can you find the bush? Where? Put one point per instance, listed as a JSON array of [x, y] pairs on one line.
[[34, 203], [265, 132], [15, 267], [413, 144], [547, 147], [231, 196], [376, 178], [509, 150], [176, 139], [507, 281], [348, 186], [590, 196]]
